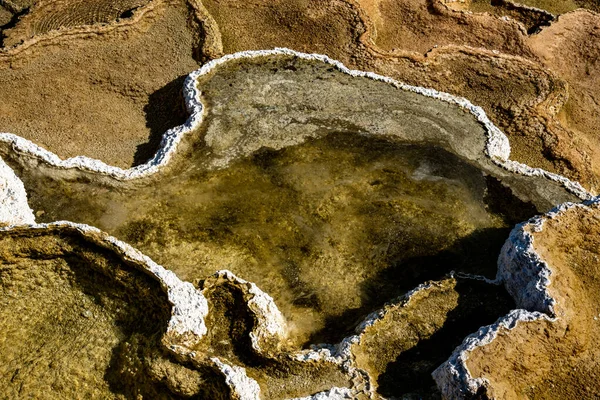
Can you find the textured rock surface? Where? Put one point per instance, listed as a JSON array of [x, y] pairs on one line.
[[550, 265], [283, 139], [49, 15]]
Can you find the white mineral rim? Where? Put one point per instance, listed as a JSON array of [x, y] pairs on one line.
[[242, 387], [526, 277], [497, 146], [334, 393], [14, 208], [271, 323], [524, 273]]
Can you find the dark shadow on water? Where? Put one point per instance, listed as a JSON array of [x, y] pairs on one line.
[[479, 304], [144, 317], [476, 254], [165, 110]]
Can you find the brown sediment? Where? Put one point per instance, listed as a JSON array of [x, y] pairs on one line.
[[402, 348], [5, 17], [331, 27], [420, 25], [570, 48], [49, 15], [553, 359], [80, 321], [107, 92], [529, 98], [327, 218], [495, 69], [519, 94]]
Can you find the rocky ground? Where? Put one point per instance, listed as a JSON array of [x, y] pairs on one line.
[[373, 213]]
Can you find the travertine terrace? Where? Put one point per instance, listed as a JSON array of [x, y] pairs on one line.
[[298, 199], [549, 264]]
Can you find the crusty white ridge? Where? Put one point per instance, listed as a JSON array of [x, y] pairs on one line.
[[242, 387], [189, 307], [497, 147], [331, 394], [14, 208], [526, 277], [272, 326]]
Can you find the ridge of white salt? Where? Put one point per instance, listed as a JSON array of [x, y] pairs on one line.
[[334, 393], [242, 387], [14, 209], [272, 324], [497, 145]]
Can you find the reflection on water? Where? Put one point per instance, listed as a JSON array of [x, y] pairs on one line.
[[331, 228]]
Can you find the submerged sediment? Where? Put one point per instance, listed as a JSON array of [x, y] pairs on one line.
[[96, 313], [335, 191]]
